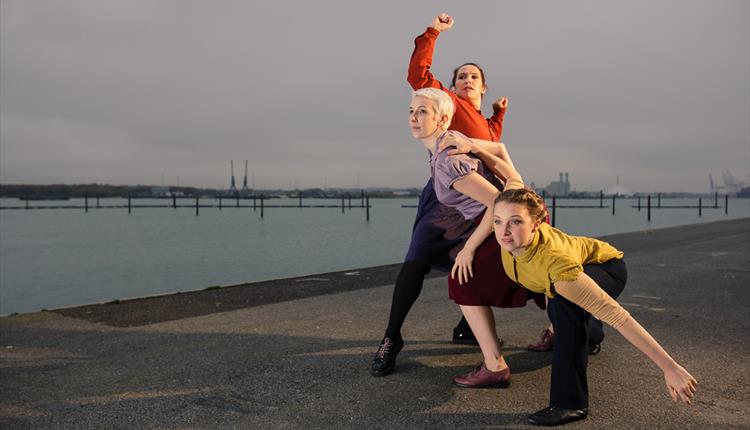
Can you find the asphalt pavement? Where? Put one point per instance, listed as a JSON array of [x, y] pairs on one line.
[[300, 361]]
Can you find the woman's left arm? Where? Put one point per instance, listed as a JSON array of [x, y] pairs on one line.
[[680, 383], [475, 186], [586, 293], [495, 122]]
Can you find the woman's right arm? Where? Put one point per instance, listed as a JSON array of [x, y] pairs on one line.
[[499, 163], [496, 149], [419, 75], [468, 145]]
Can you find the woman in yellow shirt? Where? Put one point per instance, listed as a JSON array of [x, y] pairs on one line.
[[581, 277]]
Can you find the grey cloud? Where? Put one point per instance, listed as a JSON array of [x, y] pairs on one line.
[[316, 92]]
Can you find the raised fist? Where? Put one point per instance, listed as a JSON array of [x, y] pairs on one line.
[[442, 22]]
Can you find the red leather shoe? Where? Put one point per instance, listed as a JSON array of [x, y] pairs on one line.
[[545, 343], [482, 377]]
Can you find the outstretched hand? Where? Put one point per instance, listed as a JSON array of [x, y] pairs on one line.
[[462, 144], [442, 22], [462, 267], [680, 384], [500, 104]]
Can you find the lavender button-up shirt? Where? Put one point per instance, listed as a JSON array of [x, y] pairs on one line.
[[448, 169]]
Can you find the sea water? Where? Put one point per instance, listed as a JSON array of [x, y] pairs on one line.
[[51, 258]]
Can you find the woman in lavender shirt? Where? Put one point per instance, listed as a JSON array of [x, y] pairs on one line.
[[464, 184]]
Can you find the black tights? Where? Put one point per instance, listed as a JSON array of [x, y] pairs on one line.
[[405, 292]]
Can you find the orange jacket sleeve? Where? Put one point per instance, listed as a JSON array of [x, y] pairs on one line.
[[419, 75], [495, 122]]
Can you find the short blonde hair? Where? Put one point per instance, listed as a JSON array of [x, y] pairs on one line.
[[443, 103]]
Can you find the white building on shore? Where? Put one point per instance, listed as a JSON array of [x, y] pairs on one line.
[[561, 187]]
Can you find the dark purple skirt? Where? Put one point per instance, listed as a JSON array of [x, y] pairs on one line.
[[439, 232], [490, 285]]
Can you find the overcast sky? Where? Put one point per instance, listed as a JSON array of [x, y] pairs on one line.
[[315, 93]]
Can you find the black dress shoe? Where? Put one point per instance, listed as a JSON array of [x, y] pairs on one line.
[[555, 416], [385, 358], [595, 349], [467, 338]]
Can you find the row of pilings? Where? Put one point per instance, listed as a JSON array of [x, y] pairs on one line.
[[256, 202], [648, 206]]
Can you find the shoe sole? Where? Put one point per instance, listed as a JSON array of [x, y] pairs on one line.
[[501, 384], [465, 342], [544, 423], [538, 350], [473, 342], [381, 373]]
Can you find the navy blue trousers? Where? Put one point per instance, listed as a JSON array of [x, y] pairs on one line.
[[574, 330], [437, 235]]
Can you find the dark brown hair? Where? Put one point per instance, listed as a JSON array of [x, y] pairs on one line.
[[523, 196], [455, 73]]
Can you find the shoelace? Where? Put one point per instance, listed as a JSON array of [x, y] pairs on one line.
[[384, 347], [477, 369]]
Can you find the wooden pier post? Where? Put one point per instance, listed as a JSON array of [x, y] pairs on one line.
[[86, 202], [367, 203], [649, 207], [639, 203], [554, 208], [196, 206], [261, 205], [129, 207], [601, 199], [299, 195], [700, 207], [726, 204], [614, 196], [716, 200], [342, 203], [658, 202]]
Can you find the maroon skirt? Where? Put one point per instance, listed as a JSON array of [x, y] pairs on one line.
[[490, 285]]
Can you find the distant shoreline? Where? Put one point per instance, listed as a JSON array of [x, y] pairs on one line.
[[160, 191], [67, 191]]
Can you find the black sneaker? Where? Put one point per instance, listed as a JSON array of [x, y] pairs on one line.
[[385, 358]]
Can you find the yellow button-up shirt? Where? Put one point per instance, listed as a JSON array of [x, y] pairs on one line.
[[555, 256]]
